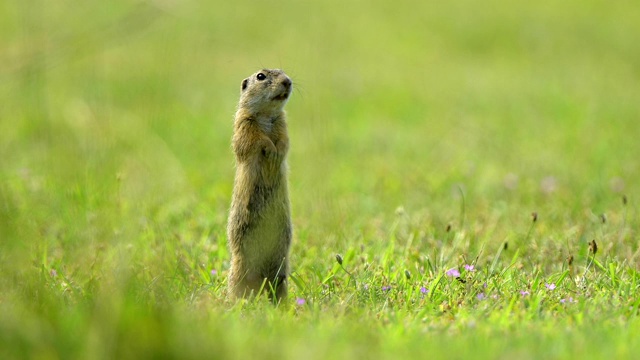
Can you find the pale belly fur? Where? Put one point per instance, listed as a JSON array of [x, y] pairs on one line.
[[265, 240]]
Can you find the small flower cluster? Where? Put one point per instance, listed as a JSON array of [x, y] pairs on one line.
[[470, 268], [453, 272], [550, 287]]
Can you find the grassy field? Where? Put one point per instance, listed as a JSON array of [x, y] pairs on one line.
[[460, 156]]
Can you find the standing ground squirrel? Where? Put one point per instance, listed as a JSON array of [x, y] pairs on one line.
[[259, 227]]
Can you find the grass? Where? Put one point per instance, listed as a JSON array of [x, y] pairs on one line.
[[424, 138]]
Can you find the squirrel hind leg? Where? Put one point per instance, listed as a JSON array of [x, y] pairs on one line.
[[277, 288]]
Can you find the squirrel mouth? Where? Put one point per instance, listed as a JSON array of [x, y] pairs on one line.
[[282, 97]]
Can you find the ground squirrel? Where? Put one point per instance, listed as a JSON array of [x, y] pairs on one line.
[[259, 227]]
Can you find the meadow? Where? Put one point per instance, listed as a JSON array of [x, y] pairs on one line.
[[463, 179]]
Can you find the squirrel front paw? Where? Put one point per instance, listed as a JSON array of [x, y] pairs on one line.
[[270, 152]]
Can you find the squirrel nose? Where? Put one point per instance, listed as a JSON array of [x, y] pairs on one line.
[[286, 82]]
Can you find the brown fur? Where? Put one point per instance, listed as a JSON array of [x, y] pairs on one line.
[[259, 227]]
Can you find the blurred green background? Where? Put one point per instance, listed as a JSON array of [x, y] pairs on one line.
[[116, 119], [395, 101]]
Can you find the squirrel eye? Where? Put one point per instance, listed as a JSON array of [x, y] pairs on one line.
[[261, 76]]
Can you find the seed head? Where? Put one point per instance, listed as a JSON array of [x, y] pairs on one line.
[[339, 259], [407, 274], [570, 260], [593, 247], [534, 216]]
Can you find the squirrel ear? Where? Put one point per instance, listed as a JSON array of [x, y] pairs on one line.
[[245, 83]]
